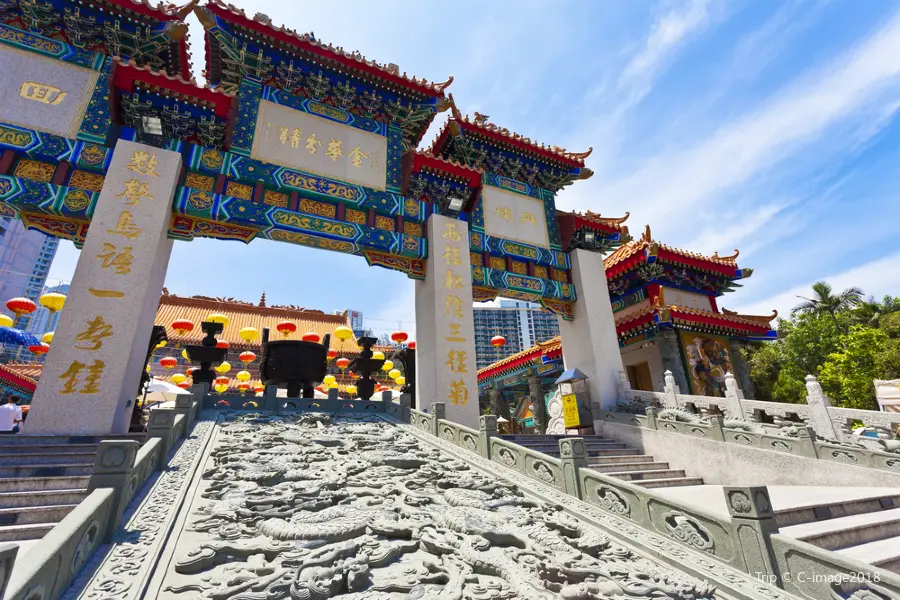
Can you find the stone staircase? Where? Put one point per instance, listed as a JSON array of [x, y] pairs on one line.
[[614, 459], [42, 479]]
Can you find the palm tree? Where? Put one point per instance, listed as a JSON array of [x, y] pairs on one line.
[[824, 301], [870, 311]]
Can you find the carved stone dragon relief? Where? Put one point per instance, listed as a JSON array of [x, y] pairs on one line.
[[307, 507]]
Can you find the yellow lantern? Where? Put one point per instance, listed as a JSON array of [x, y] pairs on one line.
[[351, 389], [248, 334], [184, 355], [161, 344], [394, 373], [147, 368], [388, 365], [221, 387], [400, 380], [333, 385], [224, 367], [378, 355], [52, 301], [47, 338], [218, 318], [5, 321], [343, 333], [243, 376], [328, 380], [178, 378]]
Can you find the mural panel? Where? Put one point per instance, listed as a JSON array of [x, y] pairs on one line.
[[297, 140], [708, 360], [43, 93], [514, 217]]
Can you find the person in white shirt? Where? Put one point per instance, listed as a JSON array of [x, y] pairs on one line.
[[10, 416]]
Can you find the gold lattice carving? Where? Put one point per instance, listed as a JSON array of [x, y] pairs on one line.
[[519, 267], [239, 190], [85, 180], [498, 263], [273, 198], [355, 216], [384, 223], [557, 275], [476, 259], [540, 272], [35, 170], [199, 182], [412, 228], [321, 209]]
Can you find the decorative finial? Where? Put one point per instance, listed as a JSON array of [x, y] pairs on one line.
[[262, 300], [732, 257], [648, 237]]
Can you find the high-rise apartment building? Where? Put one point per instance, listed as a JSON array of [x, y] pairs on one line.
[[25, 258], [42, 320], [523, 324]]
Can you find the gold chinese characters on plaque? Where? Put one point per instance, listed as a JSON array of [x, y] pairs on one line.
[[298, 140], [456, 362]]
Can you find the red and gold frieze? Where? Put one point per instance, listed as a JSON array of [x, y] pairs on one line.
[[199, 182], [35, 170], [85, 180], [321, 209]]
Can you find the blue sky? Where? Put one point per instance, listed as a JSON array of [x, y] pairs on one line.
[[771, 127]]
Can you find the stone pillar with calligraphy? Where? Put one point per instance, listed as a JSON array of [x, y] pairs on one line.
[[445, 324], [92, 372]]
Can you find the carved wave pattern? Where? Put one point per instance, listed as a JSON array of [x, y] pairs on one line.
[[313, 506]]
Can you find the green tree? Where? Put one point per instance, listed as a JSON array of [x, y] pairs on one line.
[[890, 324], [824, 301], [866, 354], [870, 311]]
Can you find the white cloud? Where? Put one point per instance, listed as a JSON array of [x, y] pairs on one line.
[[875, 278]]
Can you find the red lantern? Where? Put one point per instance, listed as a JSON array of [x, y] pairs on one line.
[[243, 386], [286, 328], [21, 306], [342, 363], [311, 336], [222, 344], [411, 345], [259, 388], [498, 341], [399, 337], [247, 357], [182, 326], [168, 362], [183, 385], [332, 354], [41, 348], [190, 372], [221, 381]]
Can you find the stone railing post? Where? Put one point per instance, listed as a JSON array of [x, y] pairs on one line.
[[733, 407], [717, 427], [623, 387], [671, 390], [652, 415], [439, 413], [819, 416], [270, 399], [387, 396], [573, 455], [162, 426], [113, 467], [487, 429], [807, 437], [405, 407], [753, 523], [333, 394], [184, 405]]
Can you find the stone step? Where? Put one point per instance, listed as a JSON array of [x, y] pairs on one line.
[[32, 484], [23, 439], [518, 438], [630, 466], [647, 475], [16, 533], [830, 510], [596, 448], [601, 444], [844, 532], [42, 498], [623, 458], [623, 451], [881, 553], [46, 449], [63, 457], [673, 482], [31, 515], [45, 470]]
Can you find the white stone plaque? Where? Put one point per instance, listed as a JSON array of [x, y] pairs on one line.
[[514, 217], [675, 297], [445, 324], [297, 140], [42, 93], [92, 372]]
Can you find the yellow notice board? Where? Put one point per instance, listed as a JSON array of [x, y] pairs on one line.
[[570, 411]]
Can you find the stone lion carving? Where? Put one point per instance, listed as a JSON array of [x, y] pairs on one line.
[[294, 507]]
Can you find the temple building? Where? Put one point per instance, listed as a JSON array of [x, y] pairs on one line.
[[521, 324], [666, 307]]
